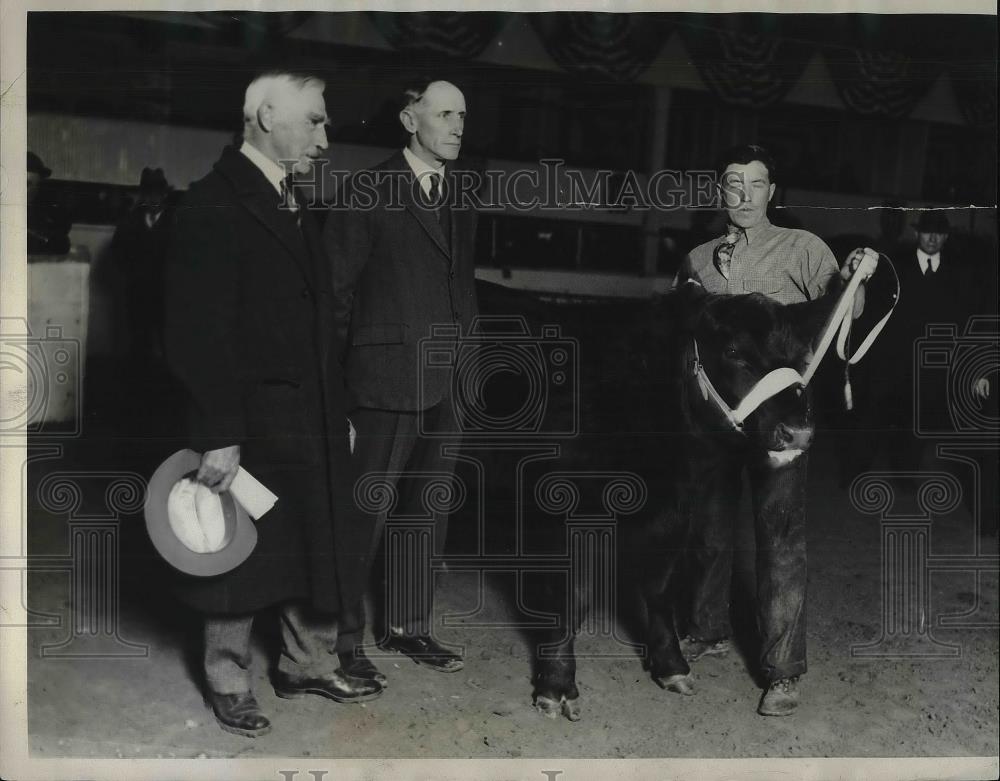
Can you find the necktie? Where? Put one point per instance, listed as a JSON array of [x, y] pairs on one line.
[[434, 197], [724, 249], [289, 201], [437, 198]]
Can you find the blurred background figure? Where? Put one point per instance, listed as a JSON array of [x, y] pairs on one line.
[[48, 222], [138, 249], [942, 281]]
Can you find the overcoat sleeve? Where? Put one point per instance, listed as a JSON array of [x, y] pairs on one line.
[[201, 328]]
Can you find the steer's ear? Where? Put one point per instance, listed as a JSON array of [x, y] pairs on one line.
[[689, 299]]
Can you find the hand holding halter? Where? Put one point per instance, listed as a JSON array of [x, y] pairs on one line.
[[862, 266], [862, 263]]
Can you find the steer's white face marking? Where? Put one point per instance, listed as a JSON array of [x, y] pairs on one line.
[[782, 457]]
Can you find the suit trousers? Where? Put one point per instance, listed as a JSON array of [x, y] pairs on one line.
[[779, 521], [308, 640], [395, 447]]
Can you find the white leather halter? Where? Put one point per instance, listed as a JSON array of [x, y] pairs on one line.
[[774, 382]]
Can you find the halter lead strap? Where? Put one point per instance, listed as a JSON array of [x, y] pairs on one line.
[[843, 315], [774, 382]]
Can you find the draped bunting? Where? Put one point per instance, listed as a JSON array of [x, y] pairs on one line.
[[610, 46], [270, 25], [976, 94], [745, 69], [880, 83], [455, 34]]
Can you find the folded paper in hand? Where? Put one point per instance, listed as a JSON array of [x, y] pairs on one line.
[[252, 494]]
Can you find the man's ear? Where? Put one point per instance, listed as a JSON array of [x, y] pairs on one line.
[[265, 117], [770, 192], [408, 120]]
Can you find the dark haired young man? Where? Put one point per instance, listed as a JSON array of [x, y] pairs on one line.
[[788, 265]]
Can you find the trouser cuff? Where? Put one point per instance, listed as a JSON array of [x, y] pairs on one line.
[[785, 670]]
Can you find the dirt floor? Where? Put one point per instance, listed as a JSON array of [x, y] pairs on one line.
[[867, 707], [928, 690]]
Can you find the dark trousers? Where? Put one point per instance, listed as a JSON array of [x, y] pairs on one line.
[[390, 445], [308, 639], [779, 518]]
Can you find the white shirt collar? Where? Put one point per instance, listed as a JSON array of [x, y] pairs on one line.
[[923, 259], [275, 173], [422, 170]]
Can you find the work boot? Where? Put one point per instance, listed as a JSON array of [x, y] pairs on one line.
[[781, 697]]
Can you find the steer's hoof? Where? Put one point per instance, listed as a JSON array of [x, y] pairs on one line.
[[547, 706], [552, 708], [571, 709], [682, 684]]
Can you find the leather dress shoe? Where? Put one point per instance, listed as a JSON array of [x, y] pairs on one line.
[[423, 649], [336, 686], [239, 714], [356, 664]]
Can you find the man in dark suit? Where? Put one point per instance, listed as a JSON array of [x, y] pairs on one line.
[[936, 286], [249, 333], [138, 251], [48, 222], [400, 267]]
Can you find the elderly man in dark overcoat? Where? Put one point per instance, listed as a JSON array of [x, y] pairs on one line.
[[249, 333], [403, 263]]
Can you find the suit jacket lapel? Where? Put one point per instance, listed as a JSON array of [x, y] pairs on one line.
[[258, 196], [459, 228], [426, 217]]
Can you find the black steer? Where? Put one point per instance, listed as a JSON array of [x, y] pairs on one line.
[[649, 416]]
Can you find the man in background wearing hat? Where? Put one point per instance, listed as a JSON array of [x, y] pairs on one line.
[[48, 223], [937, 285], [249, 333], [139, 252]]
